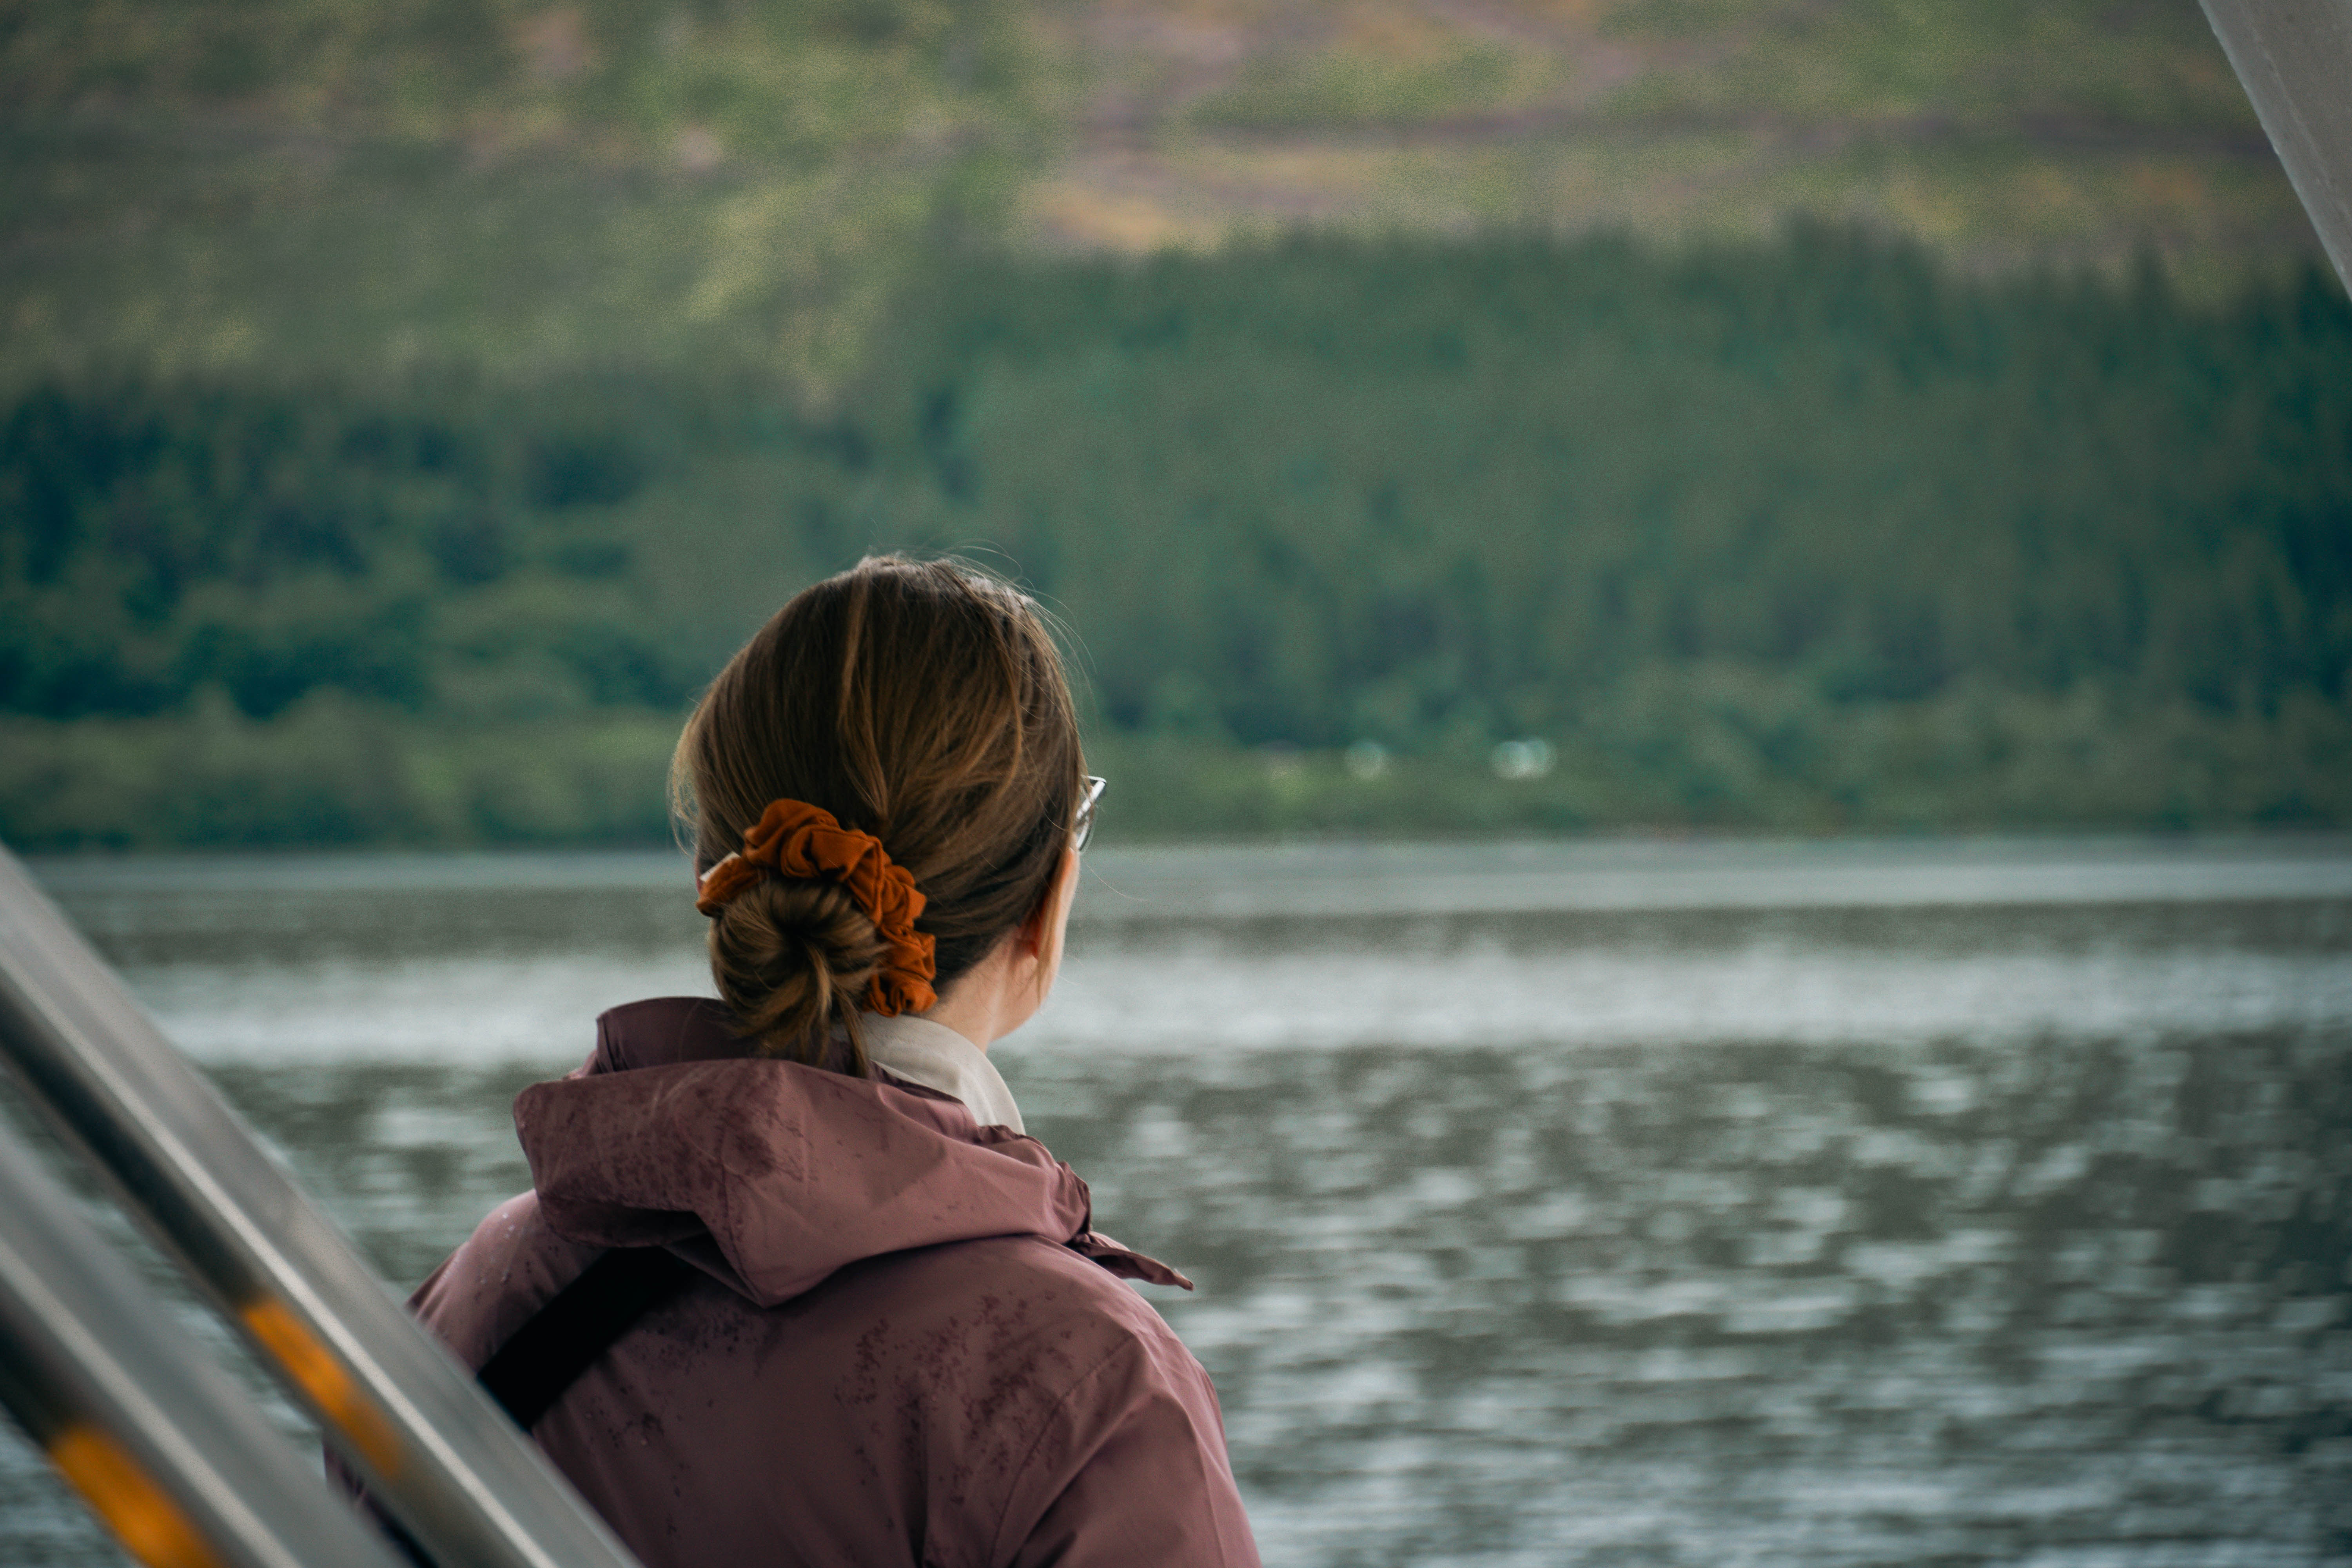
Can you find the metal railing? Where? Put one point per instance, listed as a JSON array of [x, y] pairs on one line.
[[435, 1452], [162, 1446], [2295, 60]]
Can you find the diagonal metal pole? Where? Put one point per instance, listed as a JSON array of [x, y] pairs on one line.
[[171, 1456], [434, 1450], [2294, 57]]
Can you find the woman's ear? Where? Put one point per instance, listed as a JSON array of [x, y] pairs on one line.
[[1037, 929]]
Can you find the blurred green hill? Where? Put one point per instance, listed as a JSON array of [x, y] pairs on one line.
[[275, 184], [1387, 536], [1998, 131], [293, 183], [1457, 415]]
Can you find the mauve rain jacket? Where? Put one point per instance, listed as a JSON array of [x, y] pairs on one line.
[[908, 1347]]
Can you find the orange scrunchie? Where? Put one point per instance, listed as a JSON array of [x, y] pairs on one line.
[[793, 839]]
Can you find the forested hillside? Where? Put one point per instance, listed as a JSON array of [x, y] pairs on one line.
[[1998, 131], [1426, 415], [277, 186], [266, 185], [1811, 533]]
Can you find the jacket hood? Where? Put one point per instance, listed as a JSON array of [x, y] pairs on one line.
[[770, 1175]]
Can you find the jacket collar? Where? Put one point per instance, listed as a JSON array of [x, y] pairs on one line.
[[936, 1057]]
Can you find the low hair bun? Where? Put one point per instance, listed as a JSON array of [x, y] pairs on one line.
[[792, 959]]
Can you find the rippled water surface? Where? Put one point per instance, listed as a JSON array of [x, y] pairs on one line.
[[1705, 1204]]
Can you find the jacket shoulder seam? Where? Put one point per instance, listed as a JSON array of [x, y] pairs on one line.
[[1129, 1344]]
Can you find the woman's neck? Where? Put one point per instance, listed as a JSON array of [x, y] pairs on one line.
[[1000, 994]]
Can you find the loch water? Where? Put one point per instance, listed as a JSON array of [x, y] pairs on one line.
[[1703, 1204]]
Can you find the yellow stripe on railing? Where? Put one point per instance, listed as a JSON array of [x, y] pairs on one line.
[[332, 1391], [148, 1522]]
